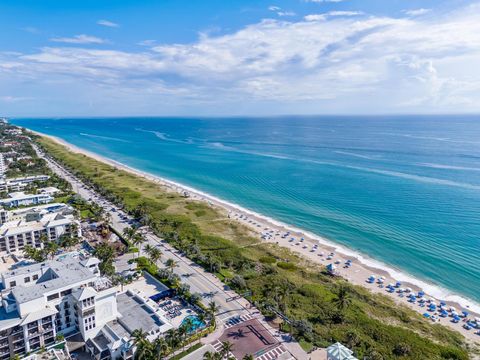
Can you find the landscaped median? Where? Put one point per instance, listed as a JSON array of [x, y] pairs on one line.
[[320, 309]]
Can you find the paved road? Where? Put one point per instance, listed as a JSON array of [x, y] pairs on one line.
[[192, 274]]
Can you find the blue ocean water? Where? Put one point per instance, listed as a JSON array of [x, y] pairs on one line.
[[402, 190]]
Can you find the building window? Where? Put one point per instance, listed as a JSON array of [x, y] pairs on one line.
[[13, 283], [66, 292], [35, 277], [27, 279], [52, 297]]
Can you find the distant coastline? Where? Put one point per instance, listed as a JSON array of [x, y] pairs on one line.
[[364, 264]]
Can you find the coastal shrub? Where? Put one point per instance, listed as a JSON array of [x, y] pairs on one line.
[[267, 260], [286, 266], [238, 282], [200, 213]]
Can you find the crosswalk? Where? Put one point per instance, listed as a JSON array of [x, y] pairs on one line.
[[237, 320], [272, 354], [217, 345]]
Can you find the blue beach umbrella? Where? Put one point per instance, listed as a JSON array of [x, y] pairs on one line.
[[427, 315]]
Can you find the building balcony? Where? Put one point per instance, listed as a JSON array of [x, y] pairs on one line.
[[19, 349], [33, 333], [17, 338]]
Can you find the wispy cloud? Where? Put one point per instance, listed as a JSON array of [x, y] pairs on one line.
[[13, 99], [410, 63], [417, 12], [79, 39], [147, 42], [31, 30], [107, 23], [324, 16], [280, 12]]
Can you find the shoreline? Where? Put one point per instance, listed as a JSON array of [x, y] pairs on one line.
[[357, 274]]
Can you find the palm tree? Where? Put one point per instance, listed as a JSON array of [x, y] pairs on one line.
[[138, 239], [172, 338], [343, 300], [213, 308], [171, 264], [248, 357], [128, 233], [148, 248], [226, 348], [182, 334], [138, 336], [155, 255], [161, 348], [209, 356], [51, 249]]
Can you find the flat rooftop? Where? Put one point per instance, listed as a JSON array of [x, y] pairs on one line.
[[68, 272], [136, 315]]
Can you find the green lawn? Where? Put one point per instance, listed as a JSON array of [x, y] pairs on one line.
[[371, 324]]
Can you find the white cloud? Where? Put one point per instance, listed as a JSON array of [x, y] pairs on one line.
[[344, 63], [31, 30], [324, 16], [79, 39], [280, 12], [417, 12], [107, 23], [147, 42], [13, 99], [286, 13]]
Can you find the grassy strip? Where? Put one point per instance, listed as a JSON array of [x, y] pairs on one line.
[[186, 352], [321, 309]]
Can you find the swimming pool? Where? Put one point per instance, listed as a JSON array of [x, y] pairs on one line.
[[196, 323]]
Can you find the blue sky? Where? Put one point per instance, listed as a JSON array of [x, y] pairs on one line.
[[210, 57]]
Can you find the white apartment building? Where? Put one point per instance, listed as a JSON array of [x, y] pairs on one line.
[[16, 199], [39, 301], [34, 212], [17, 184], [3, 167], [15, 235]]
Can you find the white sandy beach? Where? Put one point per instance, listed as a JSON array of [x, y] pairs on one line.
[[357, 273]]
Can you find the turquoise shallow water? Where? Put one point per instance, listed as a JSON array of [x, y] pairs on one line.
[[403, 190]]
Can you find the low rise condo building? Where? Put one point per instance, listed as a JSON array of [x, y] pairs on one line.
[[17, 199], [49, 190], [3, 167], [15, 235], [34, 212], [17, 184]]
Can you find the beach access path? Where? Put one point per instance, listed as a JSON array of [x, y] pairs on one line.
[[206, 284]]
